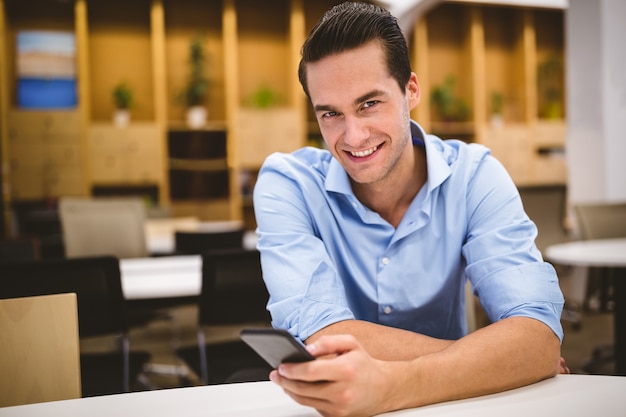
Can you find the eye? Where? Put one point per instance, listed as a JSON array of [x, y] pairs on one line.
[[370, 103], [329, 114]]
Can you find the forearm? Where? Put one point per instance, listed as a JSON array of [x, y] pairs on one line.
[[383, 342], [505, 355]]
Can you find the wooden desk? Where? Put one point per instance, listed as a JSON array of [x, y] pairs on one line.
[[564, 395], [601, 253]]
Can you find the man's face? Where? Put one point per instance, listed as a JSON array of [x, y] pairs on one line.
[[362, 112]]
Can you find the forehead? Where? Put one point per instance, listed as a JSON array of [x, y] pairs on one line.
[[348, 73]]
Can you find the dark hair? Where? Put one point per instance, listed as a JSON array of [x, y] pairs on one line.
[[350, 25]]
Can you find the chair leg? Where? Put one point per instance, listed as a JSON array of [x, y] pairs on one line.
[[126, 370], [203, 360]]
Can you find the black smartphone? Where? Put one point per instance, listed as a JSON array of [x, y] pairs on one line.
[[276, 346]]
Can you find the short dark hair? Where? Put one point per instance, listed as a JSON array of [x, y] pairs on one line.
[[350, 25]]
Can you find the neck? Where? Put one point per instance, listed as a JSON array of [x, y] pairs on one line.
[[391, 197]]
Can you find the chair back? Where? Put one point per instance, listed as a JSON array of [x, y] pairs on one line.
[[233, 290], [199, 242], [546, 207], [103, 226], [40, 349], [14, 249], [95, 281], [601, 220]]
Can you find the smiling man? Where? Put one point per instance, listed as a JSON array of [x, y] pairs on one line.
[[366, 247]]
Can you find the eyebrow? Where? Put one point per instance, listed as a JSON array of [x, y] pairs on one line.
[[365, 97]]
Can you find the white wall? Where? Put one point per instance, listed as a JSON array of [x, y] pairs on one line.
[[596, 102]]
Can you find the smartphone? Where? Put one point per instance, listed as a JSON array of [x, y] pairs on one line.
[[276, 346]]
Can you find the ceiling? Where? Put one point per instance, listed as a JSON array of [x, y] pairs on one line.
[[408, 11]]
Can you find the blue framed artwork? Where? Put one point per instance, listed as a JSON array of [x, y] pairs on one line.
[[46, 69]]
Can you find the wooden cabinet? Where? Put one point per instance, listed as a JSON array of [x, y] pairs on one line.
[[125, 155], [44, 154]]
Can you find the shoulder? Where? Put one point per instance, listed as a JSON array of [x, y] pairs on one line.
[[304, 159]]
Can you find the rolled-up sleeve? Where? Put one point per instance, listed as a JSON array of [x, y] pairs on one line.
[[306, 292], [506, 269]]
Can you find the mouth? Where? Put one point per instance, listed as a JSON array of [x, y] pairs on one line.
[[364, 153]]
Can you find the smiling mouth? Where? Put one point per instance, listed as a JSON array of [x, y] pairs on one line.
[[367, 152]]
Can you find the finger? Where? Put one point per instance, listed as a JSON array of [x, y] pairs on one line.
[[333, 345]]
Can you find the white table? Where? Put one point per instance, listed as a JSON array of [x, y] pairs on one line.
[[564, 395], [601, 253], [160, 232], [161, 277], [169, 276]]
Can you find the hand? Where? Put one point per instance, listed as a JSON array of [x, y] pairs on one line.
[[563, 369], [344, 381]]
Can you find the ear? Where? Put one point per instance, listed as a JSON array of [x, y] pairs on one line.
[[413, 91]]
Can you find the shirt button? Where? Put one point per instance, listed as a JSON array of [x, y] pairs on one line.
[[387, 310], [385, 261]]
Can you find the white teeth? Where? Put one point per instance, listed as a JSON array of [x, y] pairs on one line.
[[364, 153]]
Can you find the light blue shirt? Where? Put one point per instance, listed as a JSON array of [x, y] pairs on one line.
[[326, 257]]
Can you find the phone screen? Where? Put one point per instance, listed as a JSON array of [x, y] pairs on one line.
[[276, 346]]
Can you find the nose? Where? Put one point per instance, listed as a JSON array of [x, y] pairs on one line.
[[356, 131]]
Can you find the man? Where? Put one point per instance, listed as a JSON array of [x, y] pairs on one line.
[[366, 247]]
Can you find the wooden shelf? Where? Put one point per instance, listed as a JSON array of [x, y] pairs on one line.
[[485, 48], [495, 49]]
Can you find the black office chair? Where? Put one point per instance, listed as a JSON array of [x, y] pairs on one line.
[[19, 249], [101, 311], [198, 241], [233, 292]]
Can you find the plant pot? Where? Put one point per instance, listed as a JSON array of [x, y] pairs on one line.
[[121, 117], [196, 117]]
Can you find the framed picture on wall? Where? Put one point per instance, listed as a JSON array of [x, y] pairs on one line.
[[46, 69]]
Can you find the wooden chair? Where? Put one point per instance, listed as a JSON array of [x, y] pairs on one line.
[[97, 284], [40, 349], [233, 293]]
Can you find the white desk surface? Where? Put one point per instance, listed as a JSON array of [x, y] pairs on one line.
[[160, 232], [601, 252], [161, 277], [168, 276], [564, 395]]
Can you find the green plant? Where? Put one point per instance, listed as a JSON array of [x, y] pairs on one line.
[[264, 97], [446, 105], [122, 96], [198, 83], [550, 85], [497, 102]]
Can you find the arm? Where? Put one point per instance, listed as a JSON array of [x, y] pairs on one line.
[[521, 351], [383, 342]]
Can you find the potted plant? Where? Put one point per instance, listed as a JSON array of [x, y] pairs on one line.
[[122, 100], [264, 97], [197, 87], [497, 104], [447, 106], [550, 86]]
